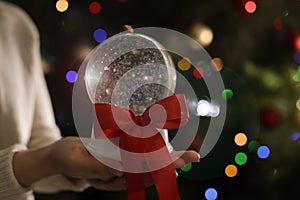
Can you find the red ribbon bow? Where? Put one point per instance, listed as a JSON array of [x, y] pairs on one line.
[[139, 134]]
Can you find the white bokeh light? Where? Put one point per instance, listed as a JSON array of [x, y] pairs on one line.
[[207, 109]]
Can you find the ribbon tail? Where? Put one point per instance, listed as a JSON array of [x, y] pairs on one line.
[[166, 183], [164, 178], [135, 185]]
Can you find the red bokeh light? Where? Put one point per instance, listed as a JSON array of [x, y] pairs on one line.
[[250, 7], [297, 43], [198, 72], [277, 23], [95, 7]]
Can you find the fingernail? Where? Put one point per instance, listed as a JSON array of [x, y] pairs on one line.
[[116, 172], [198, 157]]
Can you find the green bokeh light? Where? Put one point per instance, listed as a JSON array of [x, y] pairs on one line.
[[286, 13], [227, 94], [240, 158], [296, 77], [187, 167], [253, 146]]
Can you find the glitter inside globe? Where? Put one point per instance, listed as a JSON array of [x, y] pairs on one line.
[[131, 71]]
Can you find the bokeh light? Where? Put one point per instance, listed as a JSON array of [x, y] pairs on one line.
[[272, 80], [296, 77], [277, 23], [297, 43], [250, 7], [211, 194], [298, 104], [198, 72], [95, 7], [295, 136], [240, 158], [240, 139], [227, 94], [231, 171], [184, 64], [205, 36], [207, 109], [187, 167], [62, 5], [71, 76], [217, 63], [253, 146], [129, 28], [202, 33], [270, 117], [100, 35], [297, 57], [263, 152]]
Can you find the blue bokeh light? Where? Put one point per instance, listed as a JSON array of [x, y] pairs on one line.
[[100, 35], [71, 76], [295, 136], [263, 152], [297, 57], [211, 194]]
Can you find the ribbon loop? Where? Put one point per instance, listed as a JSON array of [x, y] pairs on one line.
[[140, 120]]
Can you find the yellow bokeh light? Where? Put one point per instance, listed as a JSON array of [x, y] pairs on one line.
[[62, 5], [205, 36], [184, 64], [231, 170], [240, 139], [202, 33], [298, 104]]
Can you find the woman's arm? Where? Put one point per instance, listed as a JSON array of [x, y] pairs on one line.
[[67, 156]]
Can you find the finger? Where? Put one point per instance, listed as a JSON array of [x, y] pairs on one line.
[[179, 163], [116, 172], [116, 164], [184, 157], [116, 184], [97, 170], [190, 156]]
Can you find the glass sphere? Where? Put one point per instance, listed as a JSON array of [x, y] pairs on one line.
[[130, 70]]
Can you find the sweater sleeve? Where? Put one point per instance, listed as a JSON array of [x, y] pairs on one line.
[[25, 106], [45, 131], [9, 185]]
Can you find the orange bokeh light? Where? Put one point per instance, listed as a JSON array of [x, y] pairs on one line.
[[217, 63], [231, 171], [62, 5], [240, 139]]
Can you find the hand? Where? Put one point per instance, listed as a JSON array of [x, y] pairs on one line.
[[67, 156], [76, 162], [118, 183], [73, 160]]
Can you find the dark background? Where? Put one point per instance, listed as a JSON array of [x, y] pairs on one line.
[[258, 54]]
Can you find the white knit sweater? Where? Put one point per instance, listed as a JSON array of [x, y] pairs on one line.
[[26, 115]]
